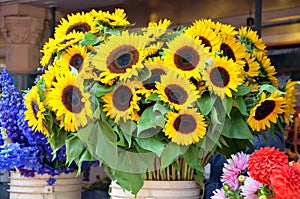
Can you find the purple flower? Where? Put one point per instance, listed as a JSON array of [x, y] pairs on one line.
[[22, 148], [51, 181], [236, 165], [219, 194], [249, 188]]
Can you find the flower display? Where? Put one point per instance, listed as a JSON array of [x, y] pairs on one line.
[[275, 177], [23, 149], [155, 102]]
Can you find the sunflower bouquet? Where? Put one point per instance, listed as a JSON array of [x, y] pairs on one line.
[[264, 174], [155, 103]]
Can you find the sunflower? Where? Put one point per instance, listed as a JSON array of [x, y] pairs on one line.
[[80, 22], [217, 27], [156, 68], [233, 50], [251, 40], [74, 57], [157, 29], [268, 71], [185, 127], [50, 75], [290, 99], [186, 55], [118, 18], [49, 48], [222, 76], [69, 101], [177, 91], [121, 103], [266, 111], [207, 36], [35, 111], [120, 57], [251, 67], [69, 40]]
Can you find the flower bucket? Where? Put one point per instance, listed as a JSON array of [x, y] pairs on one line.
[[159, 190], [66, 186]]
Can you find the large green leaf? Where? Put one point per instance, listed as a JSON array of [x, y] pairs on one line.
[[127, 129], [171, 152], [100, 140], [150, 119], [243, 90], [206, 102], [241, 105], [236, 126], [99, 90], [151, 144], [227, 103], [132, 182], [74, 147]]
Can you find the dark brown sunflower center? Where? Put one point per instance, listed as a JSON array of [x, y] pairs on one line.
[[71, 98], [206, 43], [35, 108], [246, 67], [79, 27], [122, 97], [122, 58], [186, 58], [176, 94], [155, 77], [77, 61], [227, 51], [265, 109], [219, 76], [185, 124]]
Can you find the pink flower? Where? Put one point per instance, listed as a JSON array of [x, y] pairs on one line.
[[234, 166], [219, 194], [250, 187]]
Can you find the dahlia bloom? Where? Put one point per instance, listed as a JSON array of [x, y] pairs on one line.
[[219, 194], [265, 160], [286, 182], [250, 187], [234, 166]]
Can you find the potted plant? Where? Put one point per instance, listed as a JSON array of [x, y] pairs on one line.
[[155, 103], [26, 153]]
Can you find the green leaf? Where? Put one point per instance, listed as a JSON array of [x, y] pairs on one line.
[[243, 90], [99, 90], [192, 157], [150, 119], [89, 39], [171, 152], [206, 102], [269, 88], [161, 108], [132, 182], [100, 140], [227, 103], [241, 105], [152, 97], [127, 128], [151, 144], [236, 127], [74, 147]]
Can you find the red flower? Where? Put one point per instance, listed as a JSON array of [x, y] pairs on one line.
[[263, 161], [286, 182], [296, 166]]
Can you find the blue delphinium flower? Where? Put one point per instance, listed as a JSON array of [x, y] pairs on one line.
[[21, 148]]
